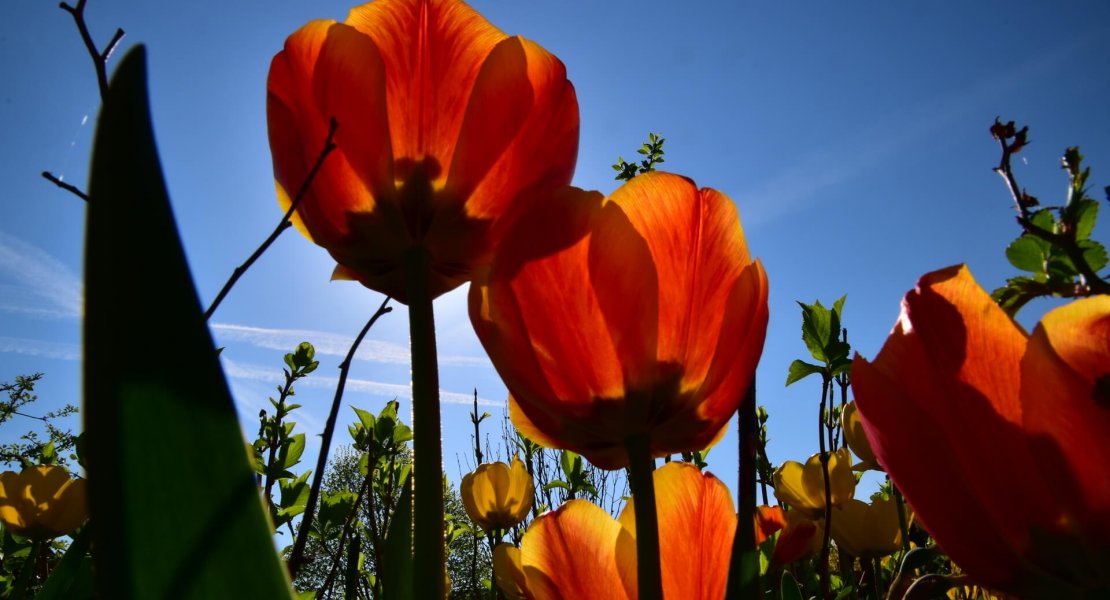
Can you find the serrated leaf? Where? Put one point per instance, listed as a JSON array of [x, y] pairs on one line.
[[800, 369], [1028, 253], [1094, 254], [141, 304], [1086, 213]]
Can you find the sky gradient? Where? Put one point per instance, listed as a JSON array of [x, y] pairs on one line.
[[853, 138]]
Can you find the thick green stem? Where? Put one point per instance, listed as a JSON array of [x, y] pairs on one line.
[[649, 576], [428, 551], [743, 574]]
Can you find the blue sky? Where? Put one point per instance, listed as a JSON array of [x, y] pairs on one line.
[[852, 136]]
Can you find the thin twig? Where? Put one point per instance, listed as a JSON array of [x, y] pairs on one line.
[[65, 186], [99, 57], [296, 557], [285, 223]]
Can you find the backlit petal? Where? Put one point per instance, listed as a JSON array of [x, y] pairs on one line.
[[946, 385], [571, 553], [697, 521], [433, 50]]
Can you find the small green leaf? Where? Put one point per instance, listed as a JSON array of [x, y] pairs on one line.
[[1094, 254], [291, 453], [1028, 253], [1086, 212], [566, 461], [556, 484], [800, 369]]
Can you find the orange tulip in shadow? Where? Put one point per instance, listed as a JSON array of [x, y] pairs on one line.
[[579, 551], [998, 438], [637, 315], [446, 127]]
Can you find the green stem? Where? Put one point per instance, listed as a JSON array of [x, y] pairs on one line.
[[428, 551], [823, 566], [649, 576], [743, 574]]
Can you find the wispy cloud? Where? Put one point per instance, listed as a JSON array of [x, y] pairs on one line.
[[329, 344], [237, 370], [803, 182], [37, 284], [58, 350]]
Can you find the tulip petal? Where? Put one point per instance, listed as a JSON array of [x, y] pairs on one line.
[[1068, 355], [522, 107], [938, 388], [330, 70], [508, 572], [697, 521], [572, 553], [433, 51], [768, 520]]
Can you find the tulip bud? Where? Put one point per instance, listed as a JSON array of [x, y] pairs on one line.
[[497, 496]]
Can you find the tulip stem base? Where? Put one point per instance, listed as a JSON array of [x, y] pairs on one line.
[[428, 550], [649, 576]]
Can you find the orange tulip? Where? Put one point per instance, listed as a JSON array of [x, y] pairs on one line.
[[996, 437], [797, 539], [637, 315], [579, 551], [446, 126]]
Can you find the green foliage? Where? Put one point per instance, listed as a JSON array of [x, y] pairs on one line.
[[821, 332], [31, 450], [1055, 247], [576, 477], [652, 151], [202, 532]]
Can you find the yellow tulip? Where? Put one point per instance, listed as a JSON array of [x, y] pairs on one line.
[[803, 486], [497, 496], [857, 440], [42, 501], [867, 530]]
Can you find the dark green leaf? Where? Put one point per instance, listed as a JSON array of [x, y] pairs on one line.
[[789, 588], [72, 578], [143, 411]]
